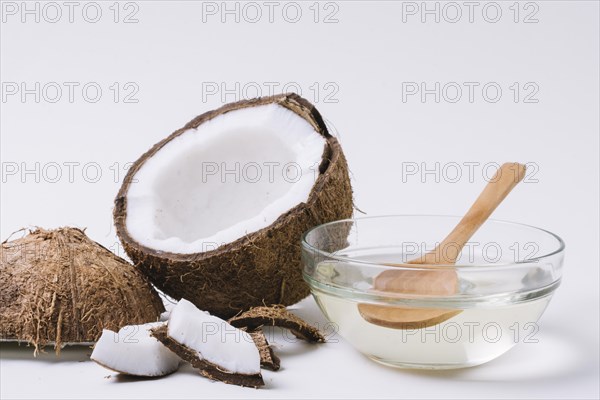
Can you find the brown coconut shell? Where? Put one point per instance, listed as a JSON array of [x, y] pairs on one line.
[[268, 358], [277, 315], [59, 287], [263, 267]]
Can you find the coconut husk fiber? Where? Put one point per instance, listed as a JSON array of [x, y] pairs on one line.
[[59, 287], [263, 267]]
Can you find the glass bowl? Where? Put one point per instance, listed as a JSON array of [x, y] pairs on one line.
[[506, 275]]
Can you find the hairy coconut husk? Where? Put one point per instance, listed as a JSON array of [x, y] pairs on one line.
[[263, 267], [268, 358], [205, 368], [60, 287], [277, 315]]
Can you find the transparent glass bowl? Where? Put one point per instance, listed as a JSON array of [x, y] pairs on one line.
[[506, 276]]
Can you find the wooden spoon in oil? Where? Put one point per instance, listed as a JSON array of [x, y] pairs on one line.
[[438, 282]]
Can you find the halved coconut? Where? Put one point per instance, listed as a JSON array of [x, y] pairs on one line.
[[132, 351], [214, 213], [59, 287]]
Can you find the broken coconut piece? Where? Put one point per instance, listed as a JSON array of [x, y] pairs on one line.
[[59, 287], [218, 350], [268, 358], [214, 212], [277, 315], [133, 351]]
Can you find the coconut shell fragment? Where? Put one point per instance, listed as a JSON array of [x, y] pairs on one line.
[[59, 287], [277, 315], [268, 358], [204, 367]]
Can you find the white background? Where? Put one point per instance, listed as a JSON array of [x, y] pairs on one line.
[[175, 52]]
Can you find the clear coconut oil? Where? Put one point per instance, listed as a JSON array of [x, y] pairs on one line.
[[470, 338], [479, 333]]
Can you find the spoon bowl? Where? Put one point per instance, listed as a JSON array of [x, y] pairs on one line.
[[504, 180]]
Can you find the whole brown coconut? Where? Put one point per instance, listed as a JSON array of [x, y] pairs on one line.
[[60, 287], [261, 267]]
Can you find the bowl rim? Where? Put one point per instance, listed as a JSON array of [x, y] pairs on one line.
[[471, 267]]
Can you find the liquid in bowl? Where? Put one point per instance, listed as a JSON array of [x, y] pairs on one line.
[[486, 327]]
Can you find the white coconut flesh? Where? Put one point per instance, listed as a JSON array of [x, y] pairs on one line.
[[233, 175], [214, 340], [133, 351]]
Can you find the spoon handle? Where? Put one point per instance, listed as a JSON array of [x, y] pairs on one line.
[[505, 179]]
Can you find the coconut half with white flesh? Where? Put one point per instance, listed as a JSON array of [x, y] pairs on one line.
[[214, 213], [132, 351], [217, 349]]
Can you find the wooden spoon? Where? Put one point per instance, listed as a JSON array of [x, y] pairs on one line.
[[439, 282]]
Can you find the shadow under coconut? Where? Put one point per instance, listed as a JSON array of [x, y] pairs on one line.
[[187, 369], [23, 351], [124, 378]]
